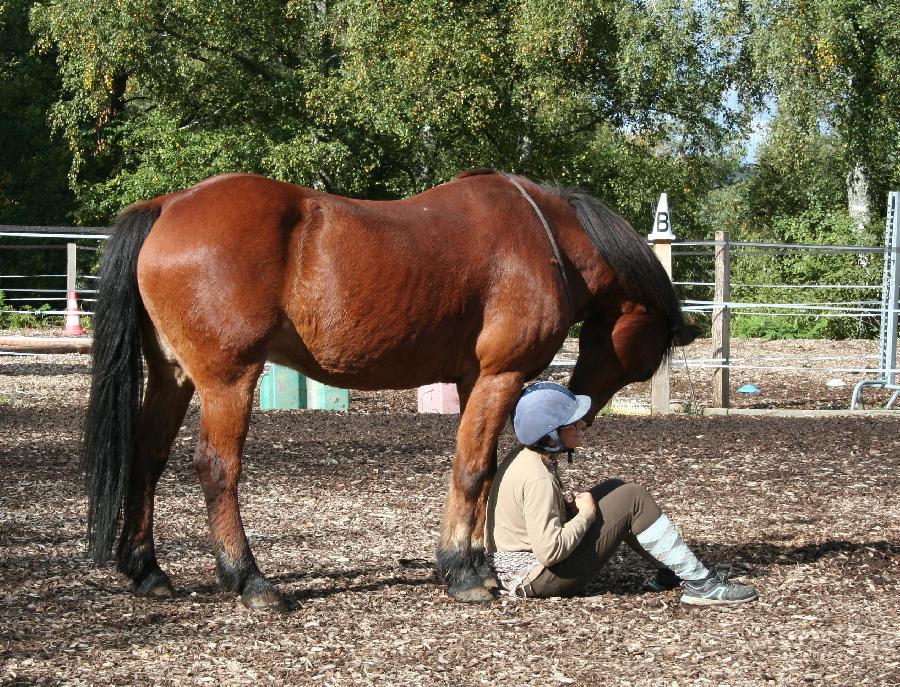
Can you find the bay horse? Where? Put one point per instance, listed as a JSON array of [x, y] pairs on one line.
[[476, 282]]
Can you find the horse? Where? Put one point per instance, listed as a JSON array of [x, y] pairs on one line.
[[475, 282]]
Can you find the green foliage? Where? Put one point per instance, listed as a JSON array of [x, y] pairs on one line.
[[381, 98], [794, 176], [33, 163], [833, 67], [808, 268], [28, 317], [384, 99], [795, 193], [771, 328]]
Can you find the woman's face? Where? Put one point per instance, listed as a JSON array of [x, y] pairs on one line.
[[572, 436]]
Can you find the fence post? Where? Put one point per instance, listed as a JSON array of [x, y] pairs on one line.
[[890, 311], [721, 322], [73, 314], [71, 270], [662, 237]]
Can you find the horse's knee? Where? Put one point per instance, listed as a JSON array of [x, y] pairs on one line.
[[470, 482]]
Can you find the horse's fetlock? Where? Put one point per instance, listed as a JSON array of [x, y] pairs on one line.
[[456, 567], [235, 575], [135, 561]]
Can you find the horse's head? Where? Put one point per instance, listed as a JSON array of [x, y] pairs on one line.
[[618, 349], [632, 315]]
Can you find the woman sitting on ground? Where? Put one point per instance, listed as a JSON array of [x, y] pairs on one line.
[[539, 547]]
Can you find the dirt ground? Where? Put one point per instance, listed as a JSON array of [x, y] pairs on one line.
[[343, 511]]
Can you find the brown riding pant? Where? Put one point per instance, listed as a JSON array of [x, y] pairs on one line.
[[623, 510]]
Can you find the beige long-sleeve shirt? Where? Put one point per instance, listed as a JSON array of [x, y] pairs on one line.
[[526, 512]]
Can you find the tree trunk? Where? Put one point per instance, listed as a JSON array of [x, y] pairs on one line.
[[858, 208], [858, 197]]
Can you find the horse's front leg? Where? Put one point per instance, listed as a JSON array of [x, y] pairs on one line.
[[488, 579], [461, 549], [224, 419], [464, 389]]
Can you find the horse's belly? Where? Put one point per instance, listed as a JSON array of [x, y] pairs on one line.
[[366, 360]]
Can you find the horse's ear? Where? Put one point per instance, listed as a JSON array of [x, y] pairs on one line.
[[686, 334]]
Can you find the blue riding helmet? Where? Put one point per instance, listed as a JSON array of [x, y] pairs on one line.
[[542, 409]]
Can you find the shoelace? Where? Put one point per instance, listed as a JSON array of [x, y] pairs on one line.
[[721, 572]]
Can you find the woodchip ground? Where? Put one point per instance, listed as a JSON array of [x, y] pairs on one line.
[[343, 510]]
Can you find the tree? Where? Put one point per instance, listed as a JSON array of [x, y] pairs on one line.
[[384, 98], [832, 65], [33, 163]]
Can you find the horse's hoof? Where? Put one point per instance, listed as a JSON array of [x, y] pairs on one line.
[[488, 578], [262, 596], [266, 602], [155, 586], [477, 594]]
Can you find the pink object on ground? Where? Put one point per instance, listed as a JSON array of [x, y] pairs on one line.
[[73, 316], [438, 398]]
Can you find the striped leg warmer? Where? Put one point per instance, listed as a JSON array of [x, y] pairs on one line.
[[662, 541]]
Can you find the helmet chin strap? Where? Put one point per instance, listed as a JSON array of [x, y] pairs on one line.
[[559, 446]]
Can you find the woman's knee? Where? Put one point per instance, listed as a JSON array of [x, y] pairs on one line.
[[606, 488], [625, 491], [624, 498], [644, 509], [637, 492]]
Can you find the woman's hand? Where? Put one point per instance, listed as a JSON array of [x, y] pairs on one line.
[[585, 502]]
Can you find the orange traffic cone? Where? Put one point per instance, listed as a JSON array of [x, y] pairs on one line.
[[73, 316]]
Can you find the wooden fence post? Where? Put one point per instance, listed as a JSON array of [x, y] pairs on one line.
[[660, 394], [662, 237], [721, 322], [73, 314]]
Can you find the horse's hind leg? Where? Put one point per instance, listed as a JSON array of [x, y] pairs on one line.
[[166, 399], [224, 419]]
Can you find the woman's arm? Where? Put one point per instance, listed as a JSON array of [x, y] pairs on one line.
[[552, 539]]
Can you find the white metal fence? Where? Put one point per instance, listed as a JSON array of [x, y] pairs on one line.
[[20, 292]]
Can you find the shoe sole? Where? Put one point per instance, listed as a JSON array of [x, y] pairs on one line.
[[701, 601]]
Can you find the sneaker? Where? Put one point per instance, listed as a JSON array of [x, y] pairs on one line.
[[662, 581], [716, 589]]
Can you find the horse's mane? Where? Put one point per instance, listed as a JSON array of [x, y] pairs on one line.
[[640, 274], [475, 171]]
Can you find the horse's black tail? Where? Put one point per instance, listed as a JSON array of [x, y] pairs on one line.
[[117, 380]]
